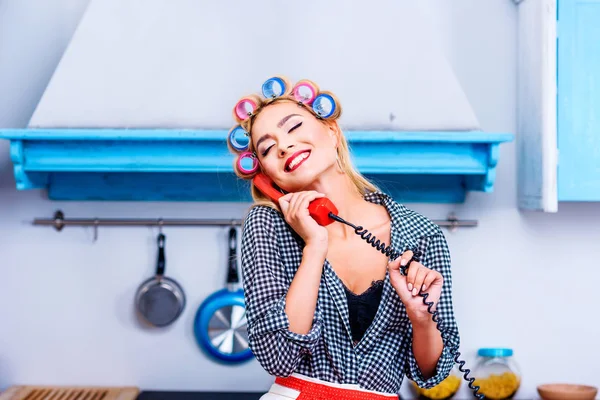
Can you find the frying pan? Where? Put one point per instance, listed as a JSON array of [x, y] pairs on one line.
[[160, 300], [220, 325]]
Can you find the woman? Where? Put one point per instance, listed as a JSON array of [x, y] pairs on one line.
[[328, 314]]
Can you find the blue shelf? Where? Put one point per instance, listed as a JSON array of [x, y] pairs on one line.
[[195, 165]]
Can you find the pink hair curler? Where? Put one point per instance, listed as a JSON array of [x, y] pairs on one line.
[[247, 154], [245, 108], [305, 92]]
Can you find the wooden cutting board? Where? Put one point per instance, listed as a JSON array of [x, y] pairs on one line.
[[26, 392]]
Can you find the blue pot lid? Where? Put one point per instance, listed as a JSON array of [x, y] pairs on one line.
[[495, 352]]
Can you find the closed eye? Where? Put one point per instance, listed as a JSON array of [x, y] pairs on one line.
[[264, 153], [295, 127]]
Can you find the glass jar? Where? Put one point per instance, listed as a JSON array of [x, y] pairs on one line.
[[496, 373], [445, 390]]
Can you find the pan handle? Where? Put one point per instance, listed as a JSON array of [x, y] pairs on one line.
[[232, 272], [160, 264]]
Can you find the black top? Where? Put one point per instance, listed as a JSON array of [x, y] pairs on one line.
[[362, 308]]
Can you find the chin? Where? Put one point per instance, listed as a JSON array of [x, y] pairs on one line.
[[303, 181], [298, 185]]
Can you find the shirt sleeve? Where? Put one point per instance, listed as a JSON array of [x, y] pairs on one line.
[[436, 256], [276, 348]]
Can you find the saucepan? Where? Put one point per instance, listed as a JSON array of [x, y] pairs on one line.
[[160, 300], [220, 326]]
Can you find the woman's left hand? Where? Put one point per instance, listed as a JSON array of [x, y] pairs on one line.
[[418, 278]]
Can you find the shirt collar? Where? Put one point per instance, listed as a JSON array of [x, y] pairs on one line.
[[396, 212], [394, 209]]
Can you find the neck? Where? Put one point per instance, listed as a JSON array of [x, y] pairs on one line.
[[346, 198]]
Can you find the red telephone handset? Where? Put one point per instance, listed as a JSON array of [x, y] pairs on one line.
[[319, 209]]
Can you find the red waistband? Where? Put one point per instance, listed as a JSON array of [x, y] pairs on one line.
[[315, 391]]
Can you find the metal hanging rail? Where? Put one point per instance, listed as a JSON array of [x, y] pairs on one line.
[[59, 222]]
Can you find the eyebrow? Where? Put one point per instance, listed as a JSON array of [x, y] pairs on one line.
[[279, 125], [285, 119], [263, 138]]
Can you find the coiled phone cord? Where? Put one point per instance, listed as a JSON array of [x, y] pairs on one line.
[[393, 254]]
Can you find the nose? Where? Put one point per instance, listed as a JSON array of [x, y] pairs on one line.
[[284, 148]]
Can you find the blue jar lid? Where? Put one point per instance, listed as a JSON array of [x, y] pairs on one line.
[[495, 352]]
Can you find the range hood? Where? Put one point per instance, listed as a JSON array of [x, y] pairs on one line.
[[140, 104]]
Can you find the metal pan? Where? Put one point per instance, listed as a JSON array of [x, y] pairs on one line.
[[160, 300], [220, 325]]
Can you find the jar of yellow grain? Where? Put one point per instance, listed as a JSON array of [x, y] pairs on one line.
[[496, 373], [444, 390]]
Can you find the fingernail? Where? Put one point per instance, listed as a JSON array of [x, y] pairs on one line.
[[410, 286], [414, 291], [403, 262], [424, 287]]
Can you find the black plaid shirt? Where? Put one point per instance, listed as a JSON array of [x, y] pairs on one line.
[[271, 253]]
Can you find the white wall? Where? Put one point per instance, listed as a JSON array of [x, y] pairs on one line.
[[523, 280]]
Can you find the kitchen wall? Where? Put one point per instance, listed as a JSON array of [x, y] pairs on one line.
[[523, 280]]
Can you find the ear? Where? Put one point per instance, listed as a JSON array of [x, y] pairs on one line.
[[334, 132]]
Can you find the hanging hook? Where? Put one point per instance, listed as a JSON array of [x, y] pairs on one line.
[[59, 220], [160, 226], [453, 222], [96, 224], [232, 235]]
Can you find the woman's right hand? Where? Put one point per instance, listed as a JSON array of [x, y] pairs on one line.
[[295, 210]]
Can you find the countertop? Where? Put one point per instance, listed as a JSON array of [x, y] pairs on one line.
[[173, 395]]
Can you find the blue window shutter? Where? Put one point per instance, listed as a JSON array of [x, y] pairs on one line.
[[579, 100]]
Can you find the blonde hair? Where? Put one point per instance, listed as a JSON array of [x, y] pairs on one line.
[[362, 184]]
